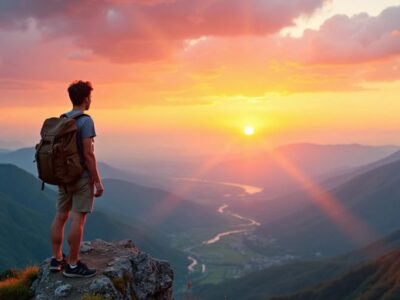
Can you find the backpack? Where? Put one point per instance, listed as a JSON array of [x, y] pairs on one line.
[[57, 156]]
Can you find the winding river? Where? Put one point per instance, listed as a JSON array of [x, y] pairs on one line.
[[193, 264], [248, 225], [248, 189]]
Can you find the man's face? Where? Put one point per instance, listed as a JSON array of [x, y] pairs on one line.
[[88, 101]]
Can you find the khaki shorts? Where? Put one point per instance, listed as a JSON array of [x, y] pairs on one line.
[[78, 197]]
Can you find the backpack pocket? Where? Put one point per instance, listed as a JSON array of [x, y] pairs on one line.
[[59, 165], [74, 167]]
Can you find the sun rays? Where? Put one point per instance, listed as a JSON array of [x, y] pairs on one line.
[[356, 230], [168, 204]]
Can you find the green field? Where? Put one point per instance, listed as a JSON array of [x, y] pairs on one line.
[[222, 259]]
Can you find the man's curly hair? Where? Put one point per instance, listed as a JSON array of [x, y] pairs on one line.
[[79, 90]]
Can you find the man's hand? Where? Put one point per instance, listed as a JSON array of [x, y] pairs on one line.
[[99, 189], [90, 159]]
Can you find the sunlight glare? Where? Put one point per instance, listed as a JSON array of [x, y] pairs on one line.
[[249, 130]]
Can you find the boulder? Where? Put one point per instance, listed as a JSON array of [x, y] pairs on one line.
[[123, 272]]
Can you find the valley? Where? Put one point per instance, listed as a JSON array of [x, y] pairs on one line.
[[222, 253]]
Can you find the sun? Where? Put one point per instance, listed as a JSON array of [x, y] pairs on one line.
[[248, 130]]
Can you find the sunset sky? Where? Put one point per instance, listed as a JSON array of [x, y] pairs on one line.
[[186, 76]]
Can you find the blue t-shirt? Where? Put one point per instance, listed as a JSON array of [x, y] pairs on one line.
[[86, 129]]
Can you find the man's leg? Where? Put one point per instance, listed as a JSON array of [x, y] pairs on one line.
[[57, 233], [82, 203], [75, 236]]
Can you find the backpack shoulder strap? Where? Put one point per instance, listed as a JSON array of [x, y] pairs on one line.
[[76, 117], [79, 116]]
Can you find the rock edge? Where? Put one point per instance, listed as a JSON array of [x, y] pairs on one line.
[[123, 272]]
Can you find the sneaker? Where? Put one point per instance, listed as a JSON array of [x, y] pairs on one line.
[[55, 265], [81, 270]]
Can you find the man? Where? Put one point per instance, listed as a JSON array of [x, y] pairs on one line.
[[77, 198]]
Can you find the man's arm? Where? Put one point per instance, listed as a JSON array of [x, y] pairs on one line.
[[91, 164]]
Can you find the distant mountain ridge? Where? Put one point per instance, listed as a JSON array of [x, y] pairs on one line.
[[271, 170], [372, 197], [24, 158], [334, 181], [318, 162], [255, 204], [347, 155]]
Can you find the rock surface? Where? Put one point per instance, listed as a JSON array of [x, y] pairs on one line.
[[123, 272]]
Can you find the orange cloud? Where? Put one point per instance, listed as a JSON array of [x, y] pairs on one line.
[[342, 55]]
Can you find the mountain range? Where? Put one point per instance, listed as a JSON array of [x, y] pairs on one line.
[[295, 218], [370, 200], [273, 170], [262, 169]]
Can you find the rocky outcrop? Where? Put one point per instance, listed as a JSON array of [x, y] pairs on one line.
[[123, 272]]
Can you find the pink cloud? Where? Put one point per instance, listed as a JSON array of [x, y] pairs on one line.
[[344, 40], [137, 31]]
